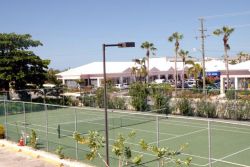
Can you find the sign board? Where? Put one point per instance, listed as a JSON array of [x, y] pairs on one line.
[[213, 74]]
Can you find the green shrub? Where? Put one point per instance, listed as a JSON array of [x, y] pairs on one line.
[[2, 132], [242, 111], [184, 106], [33, 139], [139, 93], [230, 94], [206, 109], [88, 100], [161, 104], [160, 95], [65, 100], [117, 103], [235, 110], [213, 92], [100, 97], [244, 92], [59, 152]]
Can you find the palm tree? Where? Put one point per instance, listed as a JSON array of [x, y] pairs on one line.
[[243, 57], [149, 48], [184, 55], [175, 37], [234, 61], [140, 69], [226, 32], [195, 70]]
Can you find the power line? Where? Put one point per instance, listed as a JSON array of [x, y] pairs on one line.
[[227, 15], [234, 26]]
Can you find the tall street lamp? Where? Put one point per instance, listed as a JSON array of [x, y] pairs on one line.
[[120, 45]]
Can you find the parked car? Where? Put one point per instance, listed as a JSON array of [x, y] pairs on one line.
[[179, 85], [191, 84], [125, 85], [159, 81], [121, 86], [118, 86]]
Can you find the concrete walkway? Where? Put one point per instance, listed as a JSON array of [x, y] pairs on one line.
[[12, 155], [12, 158]]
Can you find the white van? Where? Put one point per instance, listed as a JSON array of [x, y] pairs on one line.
[[159, 81]]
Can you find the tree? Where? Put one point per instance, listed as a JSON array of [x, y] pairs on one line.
[[18, 65], [51, 77], [160, 98], [243, 57], [149, 48], [175, 37], [140, 69], [122, 148], [195, 70], [139, 93], [226, 32], [234, 61], [184, 55]]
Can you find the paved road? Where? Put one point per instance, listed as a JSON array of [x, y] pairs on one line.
[[11, 158]]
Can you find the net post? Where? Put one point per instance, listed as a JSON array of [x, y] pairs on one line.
[[24, 120], [5, 119], [76, 144], [157, 135], [209, 143]]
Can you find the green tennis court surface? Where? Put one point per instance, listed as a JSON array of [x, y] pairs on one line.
[[230, 141]]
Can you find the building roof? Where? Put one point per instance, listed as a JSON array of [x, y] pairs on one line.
[[214, 65], [241, 66], [97, 68], [156, 65]]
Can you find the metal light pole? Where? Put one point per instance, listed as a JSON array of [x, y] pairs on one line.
[[120, 45]]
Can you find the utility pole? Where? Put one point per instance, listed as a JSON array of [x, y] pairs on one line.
[[202, 37]]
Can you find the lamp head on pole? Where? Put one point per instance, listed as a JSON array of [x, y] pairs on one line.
[[126, 44]]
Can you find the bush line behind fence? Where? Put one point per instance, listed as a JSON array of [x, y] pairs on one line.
[[188, 102]]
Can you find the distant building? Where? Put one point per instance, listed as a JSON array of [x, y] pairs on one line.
[[121, 72], [239, 75]]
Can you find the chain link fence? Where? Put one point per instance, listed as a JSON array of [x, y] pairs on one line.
[[211, 142]]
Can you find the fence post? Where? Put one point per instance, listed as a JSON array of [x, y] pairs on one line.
[[47, 122], [157, 134], [75, 131], [31, 106], [209, 144], [5, 119], [25, 128]]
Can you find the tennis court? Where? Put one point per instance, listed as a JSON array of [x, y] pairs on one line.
[[229, 140]]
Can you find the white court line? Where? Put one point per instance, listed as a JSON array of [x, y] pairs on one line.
[[178, 136], [37, 130], [185, 122], [140, 130], [211, 128], [232, 163], [230, 131], [150, 154], [180, 124], [212, 123], [79, 121], [220, 159]]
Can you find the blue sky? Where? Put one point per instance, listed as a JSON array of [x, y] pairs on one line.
[[73, 31]]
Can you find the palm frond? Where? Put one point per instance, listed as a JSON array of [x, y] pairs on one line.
[[217, 32]]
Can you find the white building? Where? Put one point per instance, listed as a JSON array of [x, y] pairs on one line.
[[239, 75], [121, 72]]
